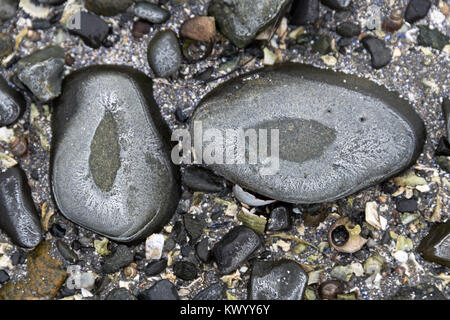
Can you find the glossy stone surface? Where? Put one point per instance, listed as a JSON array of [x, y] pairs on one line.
[[12, 104], [277, 280], [42, 72], [338, 134], [235, 248], [241, 20], [435, 246], [161, 290], [164, 54], [18, 216], [108, 7], [90, 28], [111, 169], [416, 10], [151, 12]]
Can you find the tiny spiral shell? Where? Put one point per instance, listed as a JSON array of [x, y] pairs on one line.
[[393, 22]]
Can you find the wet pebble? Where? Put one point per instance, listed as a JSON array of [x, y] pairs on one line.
[[416, 10], [304, 12], [432, 38], [280, 219], [200, 28], [155, 267], [185, 270], [164, 54], [151, 12], [235, 248], [12, 104], [407, 205], [194, 225], [108, 7], [161, 290], [348, 29], [203, 180], [42, 72], [277, 280], [121, 258], [18, 216], [92, 29], [120, 294], [140, 28], [66, 252], [381, 55], [216, 291]]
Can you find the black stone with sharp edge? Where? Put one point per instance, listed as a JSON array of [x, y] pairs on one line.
[[90, 27], [338, 133], [381, 55], [416, 10], [185, 270], [280, 219], [348, 29], [120, 294], [202, 250], [119, 259], [277, 280], [432, 38], [304, 12], [155, 267], [235, 248], [18, 216], [110, 164], [161, 290], [12, 104], [435, 246]]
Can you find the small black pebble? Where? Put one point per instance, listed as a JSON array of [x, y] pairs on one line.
[[76, 245], [4, 277], [407, 205], [180, 115], [57, 231], [155, 267]]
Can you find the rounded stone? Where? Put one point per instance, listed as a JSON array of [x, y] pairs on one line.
[[164, 54], [108, 7], [277, 280], [18, 216], [12, 104], [338, 134], [111, 167], [151, 12]]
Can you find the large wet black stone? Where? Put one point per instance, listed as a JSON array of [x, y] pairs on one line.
[[435, 246], [338, 134], [12, 104], [277, 280], [235, 248], [18, 216], [241, 20], [111, 169]]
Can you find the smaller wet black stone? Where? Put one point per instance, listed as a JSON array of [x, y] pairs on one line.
[[122, 257], [381, 55], [108, 7], [120, 294], [216, 291], [432, 38], [277, 280], [348, 29], [155, 267], [186, 250], [65, 292], [304, 12], [162, 290], [337, 4], [169, 244], [66, 252], [340, 236], [12, 104], [202, 250], [419, 292], [194, 225], [416, 10], [151, 12], [180, 115], [407, 205], [57, 231], [17, 209], [92, 29], [164, 54], [280, 219], [76, 245], [4, 277], [202, 180], [322, 45], [185, 270], [235, 248]]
